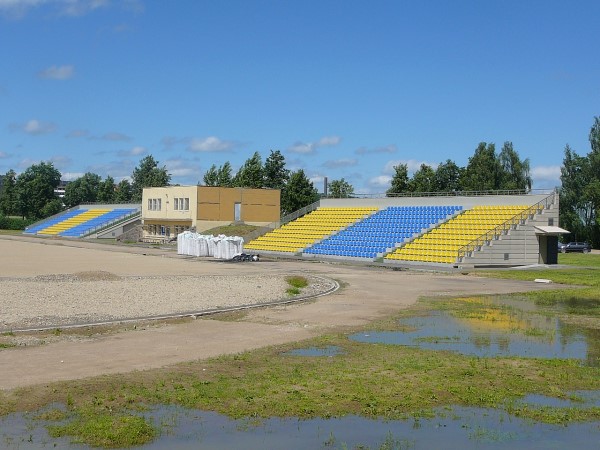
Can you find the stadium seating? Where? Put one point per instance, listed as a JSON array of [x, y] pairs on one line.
[[306, 230], [79, 222], [442, 244], [382, 231]]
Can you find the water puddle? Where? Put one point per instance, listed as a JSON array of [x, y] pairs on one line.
[[506, 328], [456, 428], [330, 350], [577, 399]]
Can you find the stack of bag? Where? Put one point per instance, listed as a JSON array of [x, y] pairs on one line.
[[220, 247]]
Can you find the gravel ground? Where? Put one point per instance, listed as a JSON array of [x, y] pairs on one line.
[[52, 300]]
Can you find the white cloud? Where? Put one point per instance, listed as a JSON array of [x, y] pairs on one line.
[[74, 8], [60, 161], [412, 165], [135, 151], [385, 149], [329, 141], [339, 163], [34, 127], [57, 73], [78, 134], [180, 168], [310, 147], [381, 181], [545, 177], [210, 144], [113, 136], [70, 176]]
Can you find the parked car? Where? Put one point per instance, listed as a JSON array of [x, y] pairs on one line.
[[582, 247]]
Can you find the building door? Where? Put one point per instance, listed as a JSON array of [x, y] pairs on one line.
[[237, 212]]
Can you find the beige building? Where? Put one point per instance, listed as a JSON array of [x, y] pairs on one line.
[[168, 211]]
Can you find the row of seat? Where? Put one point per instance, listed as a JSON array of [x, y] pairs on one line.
[[442, 244], [79, 222]]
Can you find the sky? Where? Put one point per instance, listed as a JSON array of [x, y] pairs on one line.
[[344, 89]]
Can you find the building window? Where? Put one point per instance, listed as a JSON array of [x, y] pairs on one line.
[[186, 203], [176, 203], [181, 204], [150, 204], [159, 201], [550, 221]]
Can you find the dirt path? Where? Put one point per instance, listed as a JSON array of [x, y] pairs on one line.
[[366, 294]]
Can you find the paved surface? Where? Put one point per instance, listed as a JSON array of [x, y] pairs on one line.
[[366, 294]]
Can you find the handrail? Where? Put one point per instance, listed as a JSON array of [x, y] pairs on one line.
[[285, 219], [505, 226], [450, 193], [110, 224]]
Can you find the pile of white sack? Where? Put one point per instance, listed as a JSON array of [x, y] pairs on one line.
[[221, 246]]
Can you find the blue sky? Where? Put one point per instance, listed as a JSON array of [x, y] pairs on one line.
[[343, 88]]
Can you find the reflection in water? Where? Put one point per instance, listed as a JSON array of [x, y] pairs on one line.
[[505, 336], [459, 428]]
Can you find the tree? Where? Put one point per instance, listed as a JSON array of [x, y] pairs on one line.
[[423, 180], [399, 182], [210, 177], [298, 193], [35, 191], [106, 190], [82, 190], [447, 177], [148, 174], [123, 191], [515, 173], [250, 175], [224, 175], [276, 175], [483, 170], [340, 189], [8, 194]]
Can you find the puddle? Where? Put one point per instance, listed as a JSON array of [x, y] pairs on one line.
[[330, 350], [458, 428], [577, 399], [498, 330]]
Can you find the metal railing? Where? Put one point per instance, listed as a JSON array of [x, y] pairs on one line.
[[111, 224], [504, 227], [450, 193], [285, 219]]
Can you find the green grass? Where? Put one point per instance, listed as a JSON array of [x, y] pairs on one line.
[[106, 430], [11, 232], [6, 345], [231, 230], [297, 281], [580, 259], [372, 380]]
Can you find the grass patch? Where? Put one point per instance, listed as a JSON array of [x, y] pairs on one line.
[[580, 259], [297, 281], [106, 430], [231, 230], [6, 345]]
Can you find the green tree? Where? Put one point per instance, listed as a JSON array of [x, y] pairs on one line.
[[340, 189], [82, 190], [298, 193], [250, 175], [35, 191], [8, 194], [224, 178], [447, 177], [106, 190], [483, 170], [423, 180], [276, 175], [515, 173], [123, 191], [148, 174], [399, 183], [211, 176]]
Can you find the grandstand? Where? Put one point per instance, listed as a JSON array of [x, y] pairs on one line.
[[87, 221], [445, 230]]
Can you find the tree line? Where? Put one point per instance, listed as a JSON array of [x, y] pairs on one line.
[[580, 191], [31, 194], [486, 170]]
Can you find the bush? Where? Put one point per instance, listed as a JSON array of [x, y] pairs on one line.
[[13, 223]]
